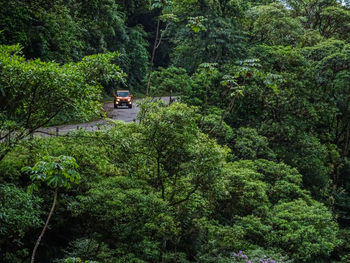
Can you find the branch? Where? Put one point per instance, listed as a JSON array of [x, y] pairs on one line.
[[162, 35], [45, 226], [187, 197]]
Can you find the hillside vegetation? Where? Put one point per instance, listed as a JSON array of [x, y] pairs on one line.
[[251, 164]]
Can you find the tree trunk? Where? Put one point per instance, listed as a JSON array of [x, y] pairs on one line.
[[45, 227], [347, 140], [155, 46]]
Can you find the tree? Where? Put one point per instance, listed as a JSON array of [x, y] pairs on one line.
[[213, 125], [273, 24], [335, 22], [46, 29], [206, 32], [159, 6], [296, 223], [19, 212], [135, 60], [261, 205], [102, 24], [63, 31], [129, 221], [55, 172], [170, 80], [182, 158], [249, 145], [35, 93], [329, 17]]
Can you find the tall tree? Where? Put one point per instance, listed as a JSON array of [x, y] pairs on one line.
[[56, 173]]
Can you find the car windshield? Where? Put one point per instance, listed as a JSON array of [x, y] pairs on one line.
[[123, 93]]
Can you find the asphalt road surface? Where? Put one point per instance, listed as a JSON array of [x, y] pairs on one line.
[[122, 114]]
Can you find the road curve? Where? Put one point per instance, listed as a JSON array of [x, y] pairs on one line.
[[122, 114]]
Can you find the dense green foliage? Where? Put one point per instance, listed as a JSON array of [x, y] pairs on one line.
[[255, 158], [162, 190]]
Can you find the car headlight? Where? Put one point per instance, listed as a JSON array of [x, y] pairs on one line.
[[129, 99], [118, 99]]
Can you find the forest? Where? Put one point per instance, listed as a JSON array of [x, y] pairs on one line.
[[250, 164]]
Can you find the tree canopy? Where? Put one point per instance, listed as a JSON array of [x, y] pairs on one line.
[[251, 164]]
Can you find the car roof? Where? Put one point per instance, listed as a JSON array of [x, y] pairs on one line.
[[122, 90]]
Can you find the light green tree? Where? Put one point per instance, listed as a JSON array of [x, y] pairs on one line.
[[35, 93]]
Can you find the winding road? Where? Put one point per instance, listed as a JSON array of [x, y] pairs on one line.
[[122, 114]]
